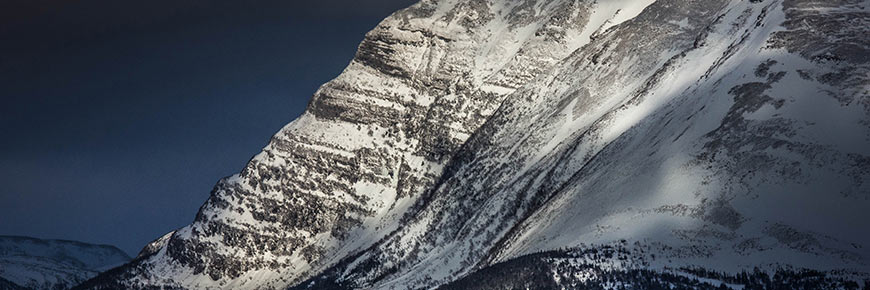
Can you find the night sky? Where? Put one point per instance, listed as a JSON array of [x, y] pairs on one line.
[[118, 117]]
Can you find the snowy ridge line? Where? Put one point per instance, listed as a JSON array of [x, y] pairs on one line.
[[31, 263], [702, 132]]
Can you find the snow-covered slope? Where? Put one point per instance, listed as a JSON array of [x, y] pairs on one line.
[[726, 135], [52, 264]]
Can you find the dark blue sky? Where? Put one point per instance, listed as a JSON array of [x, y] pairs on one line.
[[118, 117]]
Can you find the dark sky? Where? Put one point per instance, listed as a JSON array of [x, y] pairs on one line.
[[118, 117]]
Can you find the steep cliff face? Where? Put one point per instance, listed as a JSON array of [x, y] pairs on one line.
[[341, 176], [704, 130], [714, 133]]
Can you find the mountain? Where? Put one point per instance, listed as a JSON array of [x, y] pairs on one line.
[[29, 263], [563, 143]]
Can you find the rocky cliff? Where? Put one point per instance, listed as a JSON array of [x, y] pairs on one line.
[[714, 134]]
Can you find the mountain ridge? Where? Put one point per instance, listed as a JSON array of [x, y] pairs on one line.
[[702, 132], [31, 263]]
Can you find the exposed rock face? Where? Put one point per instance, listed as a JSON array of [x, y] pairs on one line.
[[728, 134], [29, 263]]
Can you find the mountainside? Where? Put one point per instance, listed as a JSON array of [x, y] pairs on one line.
[[28, 263], [708, 135]]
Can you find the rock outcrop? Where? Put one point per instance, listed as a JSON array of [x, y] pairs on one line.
[[727, 135]]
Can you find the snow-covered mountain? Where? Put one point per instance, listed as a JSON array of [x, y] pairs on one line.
[[29, 263], [712, 141]]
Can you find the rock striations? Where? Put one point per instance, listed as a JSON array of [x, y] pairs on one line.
[[696, 137]]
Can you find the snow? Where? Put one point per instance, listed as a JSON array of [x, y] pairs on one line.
[[39, 263], [609, 13], [573, 151], [832, 217]]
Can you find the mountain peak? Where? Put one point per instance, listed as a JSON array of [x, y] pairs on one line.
[[470, 135]]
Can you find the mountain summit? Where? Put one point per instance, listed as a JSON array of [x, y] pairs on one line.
[[558, 143]]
